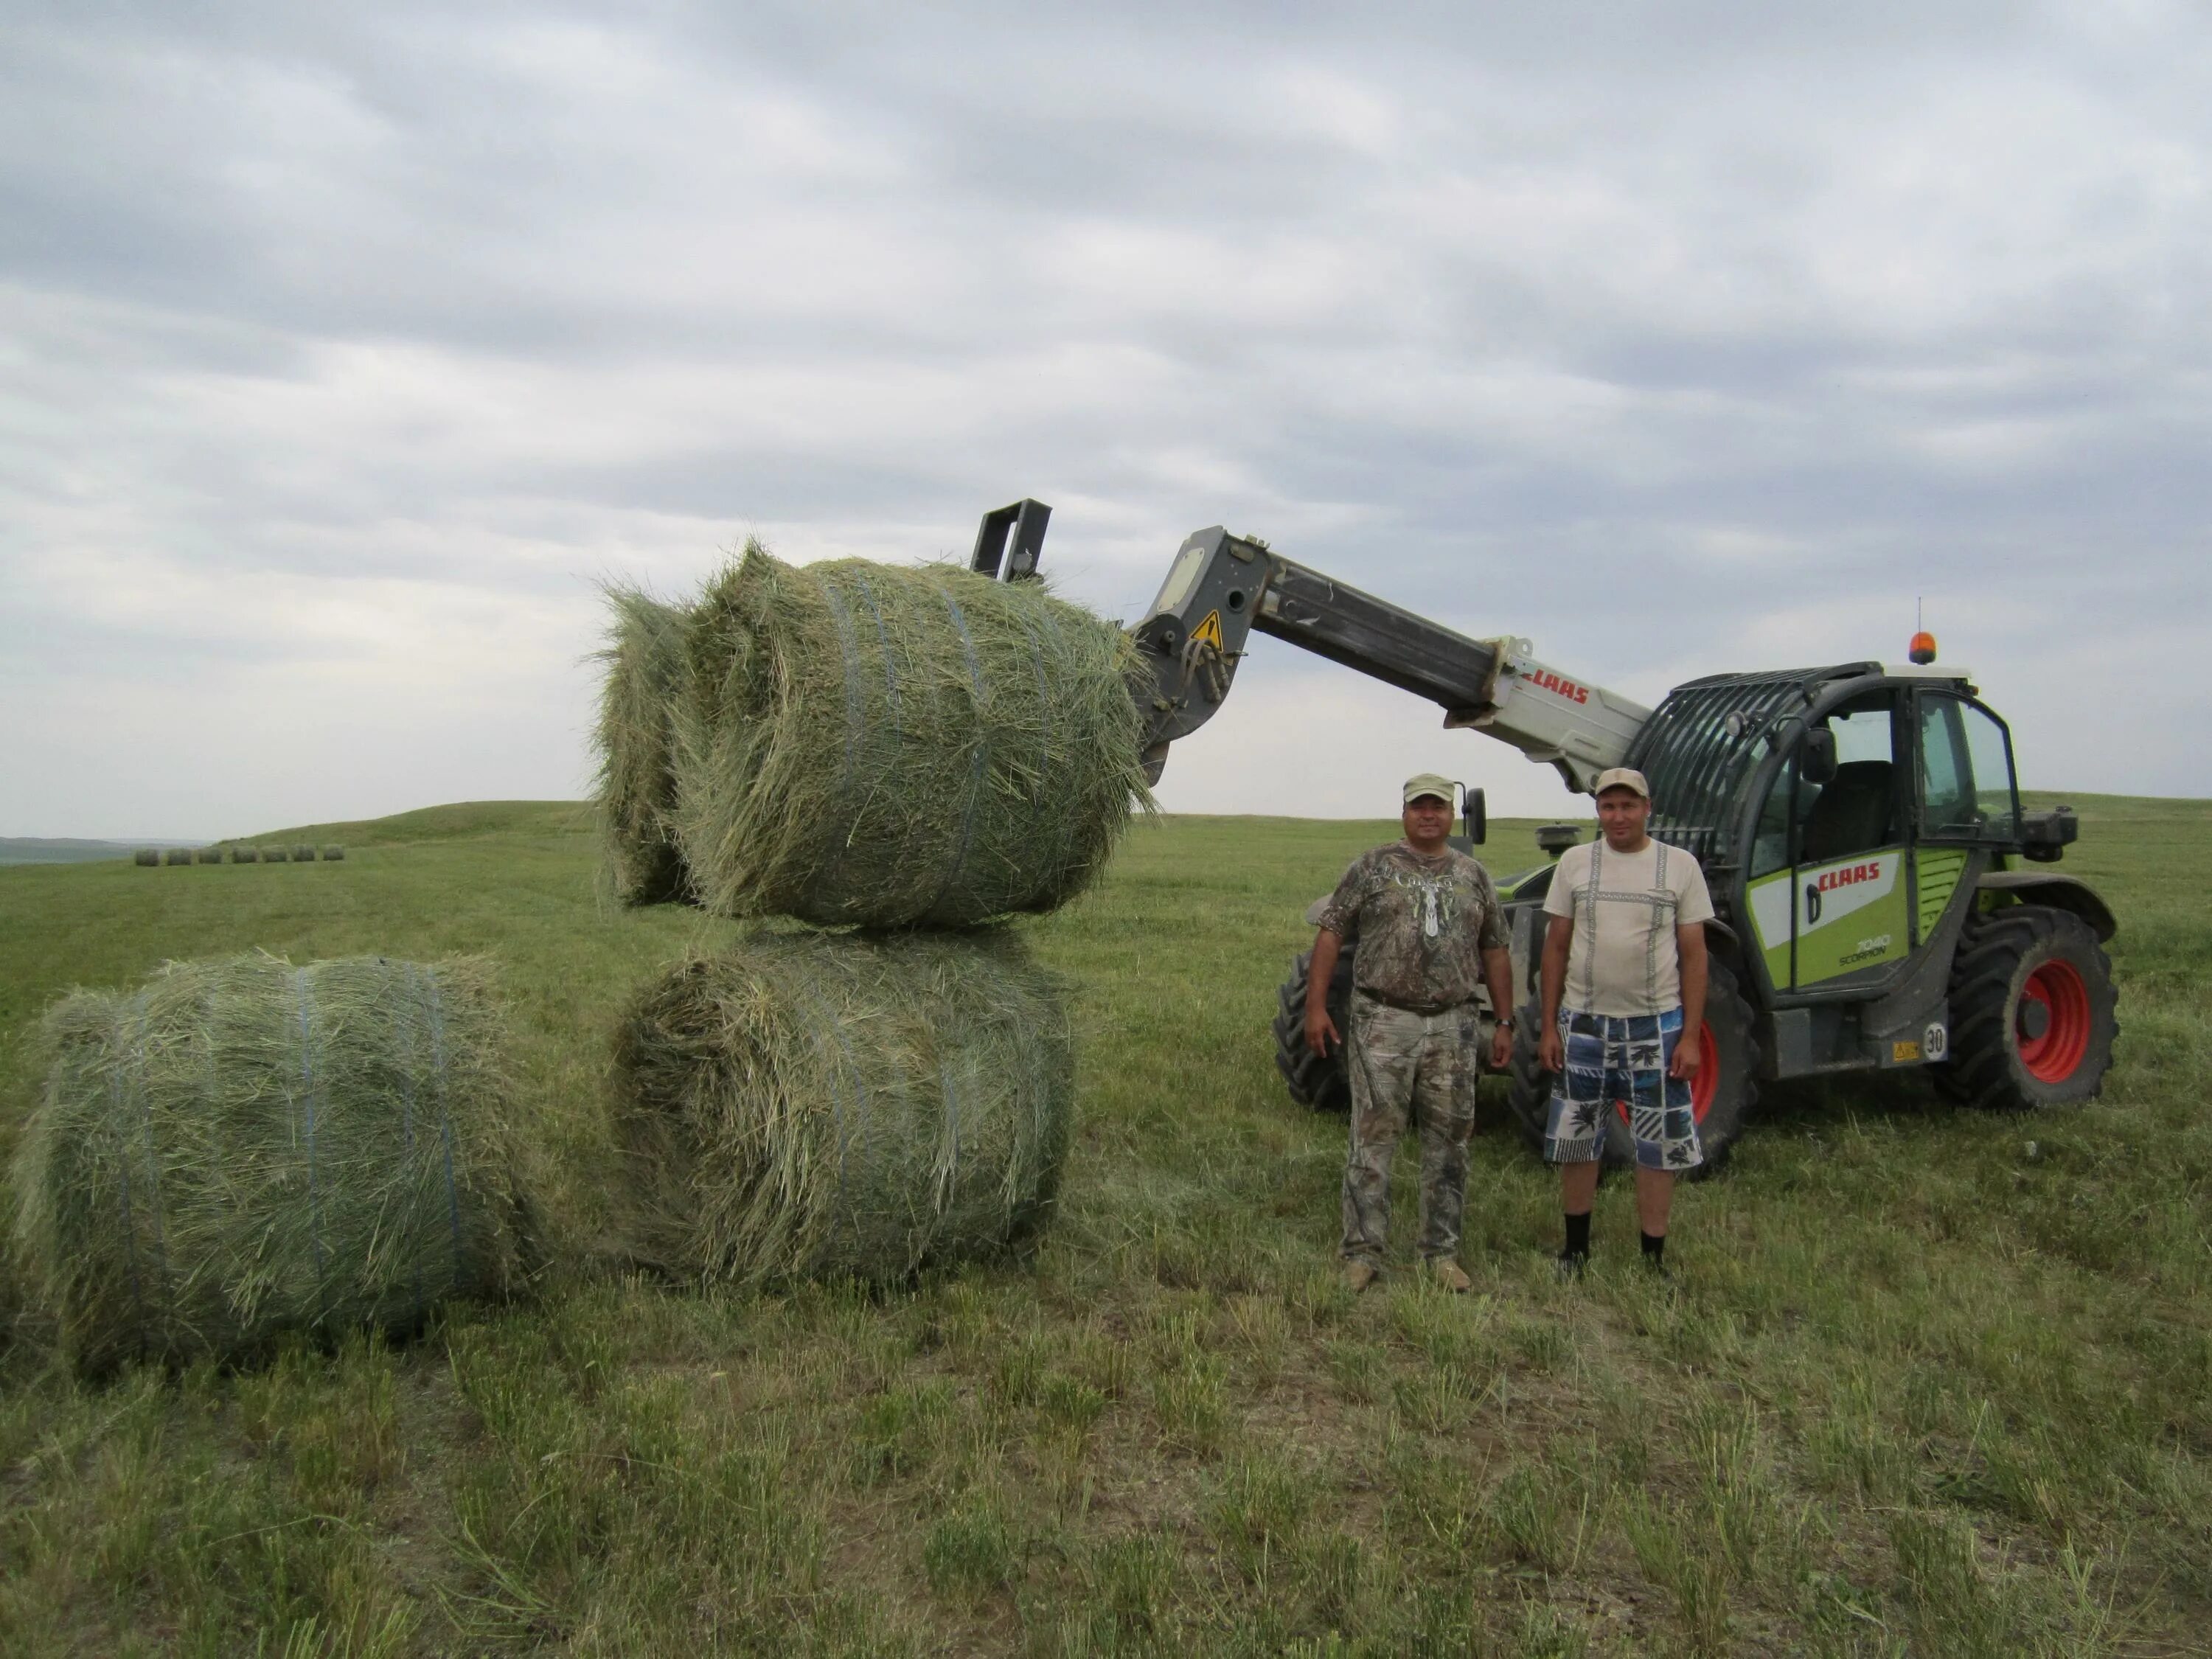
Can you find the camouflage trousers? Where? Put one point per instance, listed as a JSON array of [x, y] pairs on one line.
[[1401, 1062]]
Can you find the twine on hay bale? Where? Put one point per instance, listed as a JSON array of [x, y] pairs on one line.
[[246, 856], [243, 1147], [147, 857], [332, 855], [177, 855], [275, 855], [887, 746], [646, 676], [842, 1105], [303, 854]]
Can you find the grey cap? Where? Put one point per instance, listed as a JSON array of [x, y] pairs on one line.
[[1622, 777], [1428, 783]]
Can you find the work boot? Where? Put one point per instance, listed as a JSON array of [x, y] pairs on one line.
[[1360, 1272], [1449, 1274]]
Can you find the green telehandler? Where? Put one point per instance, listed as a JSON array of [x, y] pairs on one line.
[[1884, 903]]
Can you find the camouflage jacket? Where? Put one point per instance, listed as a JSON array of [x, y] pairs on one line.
[[1420, 925]]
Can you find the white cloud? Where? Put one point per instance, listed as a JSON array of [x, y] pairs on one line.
[[339, 356]]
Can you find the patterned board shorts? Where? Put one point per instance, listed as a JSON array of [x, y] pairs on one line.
[[1613, 1058]]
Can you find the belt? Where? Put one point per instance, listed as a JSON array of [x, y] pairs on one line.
[[1427, 1010]]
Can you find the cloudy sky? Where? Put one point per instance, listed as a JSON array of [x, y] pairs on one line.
[[343, 350]]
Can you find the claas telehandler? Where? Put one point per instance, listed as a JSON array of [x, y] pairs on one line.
[[1883, 901]]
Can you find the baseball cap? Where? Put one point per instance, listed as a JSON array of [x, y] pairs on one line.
[[1428, 783], [1622, 777]]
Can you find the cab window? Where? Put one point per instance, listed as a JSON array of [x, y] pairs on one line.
[[1966, 773], [1856, 811]]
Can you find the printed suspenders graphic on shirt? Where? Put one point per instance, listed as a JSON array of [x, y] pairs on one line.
[[1660, 901]]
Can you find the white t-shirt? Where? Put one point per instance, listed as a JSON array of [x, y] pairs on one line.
[[1627, 906]]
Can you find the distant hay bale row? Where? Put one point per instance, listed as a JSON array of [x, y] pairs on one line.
[[242, 1148], [332, 855], [275, 855], [842, 1105], [864, 744], [245, 856], [147, 857], [211, 855], [177, 855]]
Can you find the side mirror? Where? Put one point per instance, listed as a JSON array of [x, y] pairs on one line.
[[1816, 757], [1478, 816]]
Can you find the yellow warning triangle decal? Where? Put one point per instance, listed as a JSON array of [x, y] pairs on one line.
[[1209, 630]]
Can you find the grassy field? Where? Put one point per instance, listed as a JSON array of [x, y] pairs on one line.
[[1934, 1382]]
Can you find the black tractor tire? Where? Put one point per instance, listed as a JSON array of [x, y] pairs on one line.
[[1318, 1081], [2033, 1012], [1732, 1050]]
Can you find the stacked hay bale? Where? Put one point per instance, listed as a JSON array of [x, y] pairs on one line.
[[844, 1106], [246, 856], [332, 855], [858, 744], [854, 745], [275, 855], [147, 858], [211, 855], [304, 854], [177, 855], [243, 1148], [646, 678]]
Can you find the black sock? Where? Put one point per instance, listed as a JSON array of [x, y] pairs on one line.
[[1578, 1235], [1655, 1248]]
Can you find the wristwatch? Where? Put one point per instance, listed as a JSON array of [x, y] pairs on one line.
[[1504, 1022]]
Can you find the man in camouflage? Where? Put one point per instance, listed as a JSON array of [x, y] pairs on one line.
[[1429, 932]]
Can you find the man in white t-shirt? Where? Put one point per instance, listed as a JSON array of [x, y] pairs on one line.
[[1624, 978]]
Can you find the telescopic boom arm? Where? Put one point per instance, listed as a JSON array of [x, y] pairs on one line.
[[1222, 588]]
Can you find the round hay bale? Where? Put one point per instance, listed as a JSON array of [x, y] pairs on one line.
[[177, 855], [246, 856], [244, 1147], [147, 857], [332, 855], [646, 678], [304, 855], [888, 746], [842, 1105], [275, 855], [208, 855]]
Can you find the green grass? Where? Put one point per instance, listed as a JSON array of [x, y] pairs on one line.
[[1935, 1384]]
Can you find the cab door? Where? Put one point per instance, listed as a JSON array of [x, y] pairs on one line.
[[1968, 799], [1838, 905]]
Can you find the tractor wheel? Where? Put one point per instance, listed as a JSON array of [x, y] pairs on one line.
[[1725, 1089], [1317, 1080], [2032, 1012]]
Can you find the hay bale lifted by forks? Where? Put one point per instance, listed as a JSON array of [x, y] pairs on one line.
[[896, 747]]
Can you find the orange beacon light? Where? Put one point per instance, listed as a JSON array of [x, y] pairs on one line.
[[1922, 648]]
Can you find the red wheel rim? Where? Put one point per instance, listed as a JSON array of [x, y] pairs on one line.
[[2053, 1056], [1704, 1082]]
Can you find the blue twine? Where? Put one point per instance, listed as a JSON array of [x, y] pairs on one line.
[[835, 1027], [410, 975], [884, 641], [977, 767], [307, 1105], [837, 826], [950, 1177], [445, 1121], [130, 1226], [153, 1168]]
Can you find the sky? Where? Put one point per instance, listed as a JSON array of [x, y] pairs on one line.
[[345, 351]]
